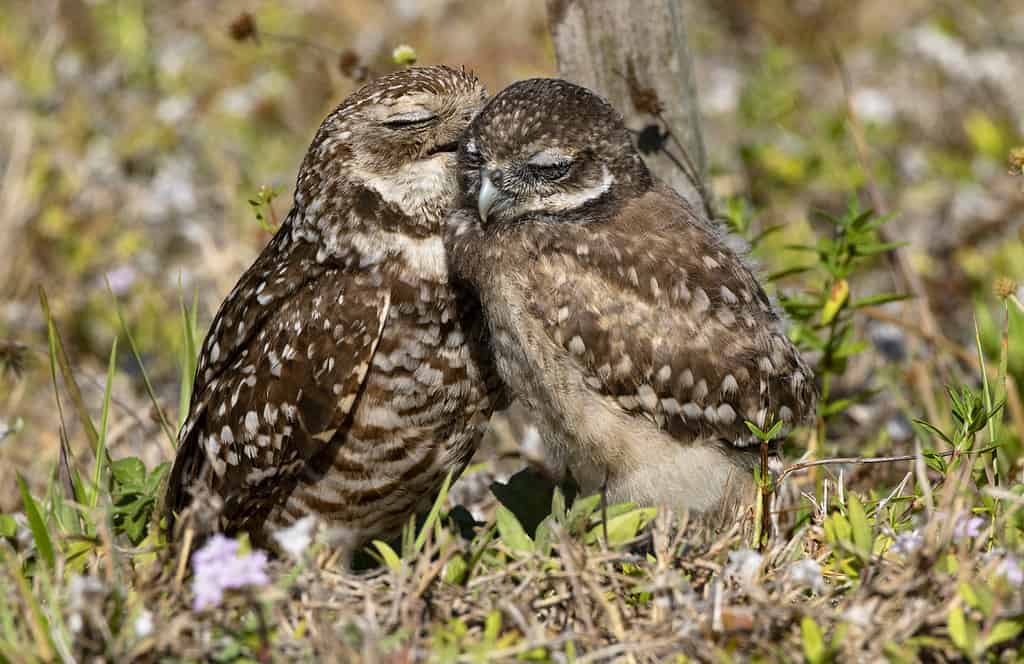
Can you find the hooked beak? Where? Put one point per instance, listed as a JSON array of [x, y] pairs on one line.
[[488, 196]]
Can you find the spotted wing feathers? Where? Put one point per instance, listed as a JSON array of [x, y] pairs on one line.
[[669, 322], [284, 393]]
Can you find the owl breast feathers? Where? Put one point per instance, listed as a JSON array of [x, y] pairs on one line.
[[627, 321], [344, 377]]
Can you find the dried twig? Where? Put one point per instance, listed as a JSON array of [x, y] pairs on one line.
[[858, 461]]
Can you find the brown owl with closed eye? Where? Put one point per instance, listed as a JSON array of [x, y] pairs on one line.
[[629, 323], [344, 376]]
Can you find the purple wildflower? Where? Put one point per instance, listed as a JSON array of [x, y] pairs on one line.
[[1011, 570], [121, 279], [907, 543], [968, 527], [218, 567]]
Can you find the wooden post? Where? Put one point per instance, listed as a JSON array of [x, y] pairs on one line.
[[635, 54]]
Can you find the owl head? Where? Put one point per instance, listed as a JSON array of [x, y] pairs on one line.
[[392, 128], [546, 148]]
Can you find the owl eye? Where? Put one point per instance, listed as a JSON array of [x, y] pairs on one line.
[[417, 118], [471, 155], [549, 166]]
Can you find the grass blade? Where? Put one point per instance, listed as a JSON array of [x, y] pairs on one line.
[[189, 355], [164, 423], [59, 358], [36, 524], [37, 622], [102, 456], [435, 511]]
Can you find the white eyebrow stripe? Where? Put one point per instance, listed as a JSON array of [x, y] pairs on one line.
[[571, 201]]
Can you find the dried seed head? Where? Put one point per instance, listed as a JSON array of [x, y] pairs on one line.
[[1004, 287], [1017, 161], [351, 66], [243, 27], [14, 358], [644, 98]]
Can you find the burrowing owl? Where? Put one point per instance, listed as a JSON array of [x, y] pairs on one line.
[[629, 323], [343, 376]]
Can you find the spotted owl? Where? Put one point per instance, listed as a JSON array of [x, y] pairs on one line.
[[630, 324], [344, 376]]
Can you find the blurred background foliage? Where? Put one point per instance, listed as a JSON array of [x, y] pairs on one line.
[[135, 132]]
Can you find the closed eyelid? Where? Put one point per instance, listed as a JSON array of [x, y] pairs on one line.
[[549, 158], [410, 117]]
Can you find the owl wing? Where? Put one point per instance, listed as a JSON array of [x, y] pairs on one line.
[[661, 316], [277, 378]]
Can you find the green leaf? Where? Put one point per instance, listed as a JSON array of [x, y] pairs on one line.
[[833, 407], [391, 559], [987, 136], [770, 230], [492, 626], [959, 631], [932, 429], [512, 533], [36, 524], [762, 434], [129, 472], [8, 526], [455, 570], [1003, 631], [544, 537], [813, 641], [624, 527], [837, 297], [862, 536], [528, 495], [557, 503], [580, 513], [977, 597], [787, 272], [850, 349], [874, 248], [878, 300]]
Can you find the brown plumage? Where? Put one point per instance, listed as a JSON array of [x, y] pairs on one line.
[[630, 324], [343, 376]]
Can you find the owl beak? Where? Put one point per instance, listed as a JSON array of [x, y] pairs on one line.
[[489, 194]]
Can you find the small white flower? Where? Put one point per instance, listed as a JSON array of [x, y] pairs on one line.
[[744, 566], [807, 572], [873, 105], [296, 538], [860, 614], [144, 623]]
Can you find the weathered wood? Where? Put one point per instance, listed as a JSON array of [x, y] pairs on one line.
[[635, 54]]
